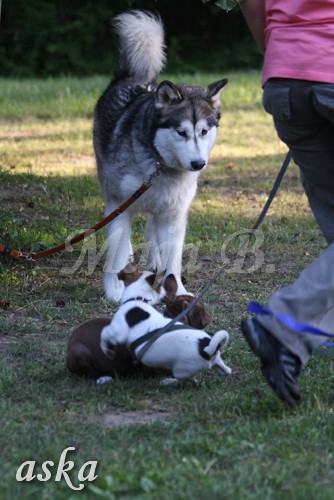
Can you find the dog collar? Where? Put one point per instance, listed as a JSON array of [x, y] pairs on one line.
[[151, 337], [142, 299]]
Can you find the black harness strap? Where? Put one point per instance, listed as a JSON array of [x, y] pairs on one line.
[[142, 299], [153, 336]]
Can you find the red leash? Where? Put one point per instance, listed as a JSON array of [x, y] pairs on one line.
[[33, 256]]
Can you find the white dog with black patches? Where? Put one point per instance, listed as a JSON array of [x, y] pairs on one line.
[[185, 351]]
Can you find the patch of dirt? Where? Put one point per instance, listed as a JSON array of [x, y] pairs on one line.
[[15, 193], [4, 341], [16, 135], [85, 160], [7, 345], [119, 419]]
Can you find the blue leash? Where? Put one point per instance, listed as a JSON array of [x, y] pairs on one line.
[[256, 308]]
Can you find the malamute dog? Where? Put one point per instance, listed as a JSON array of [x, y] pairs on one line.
[[139, 124]]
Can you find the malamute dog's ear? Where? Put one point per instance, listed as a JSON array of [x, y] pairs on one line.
[[214, 92], [167, 93]]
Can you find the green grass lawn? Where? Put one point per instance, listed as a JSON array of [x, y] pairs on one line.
[[222, 439]]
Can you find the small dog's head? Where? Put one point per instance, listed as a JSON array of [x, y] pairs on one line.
[[141, 284], [175, 304]]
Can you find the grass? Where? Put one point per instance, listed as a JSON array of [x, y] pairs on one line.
[[230, 439]]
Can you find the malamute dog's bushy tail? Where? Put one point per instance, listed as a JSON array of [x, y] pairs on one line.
[[139, 124], [141, 46]]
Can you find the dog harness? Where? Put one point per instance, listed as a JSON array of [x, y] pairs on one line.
[[150, 337], [142, 299]]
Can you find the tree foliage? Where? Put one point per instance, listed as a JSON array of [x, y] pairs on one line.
[[227, 5], [72, 37]]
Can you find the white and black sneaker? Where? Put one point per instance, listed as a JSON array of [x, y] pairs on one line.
[[278, 365]]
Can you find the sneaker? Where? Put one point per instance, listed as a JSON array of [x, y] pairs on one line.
[[279, 366]]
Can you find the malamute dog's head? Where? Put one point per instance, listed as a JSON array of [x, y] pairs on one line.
[[181, 120], [186, 123]]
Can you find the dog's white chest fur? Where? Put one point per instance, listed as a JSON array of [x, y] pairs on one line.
[[170, 193]]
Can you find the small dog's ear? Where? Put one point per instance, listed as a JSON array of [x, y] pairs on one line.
[[170, 285], [151, 279], [205, 319], [185, 303], [129, 274], [214, 92], [122, 275], [201, 317], [167, 94]]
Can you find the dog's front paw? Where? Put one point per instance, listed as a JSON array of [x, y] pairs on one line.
[[113, 287], [109, 351], [169, 382], [104, 380], [107, 347]]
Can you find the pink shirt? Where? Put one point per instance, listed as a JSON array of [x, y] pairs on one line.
[[299, 40]]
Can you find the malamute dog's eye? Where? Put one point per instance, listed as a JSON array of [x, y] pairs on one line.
[[182, 133], [204, 131]]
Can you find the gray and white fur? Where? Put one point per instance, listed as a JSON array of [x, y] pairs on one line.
[[139, 123]]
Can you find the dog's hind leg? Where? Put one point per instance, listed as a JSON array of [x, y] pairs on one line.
[[220, 368], [174, 382], [183, 375], [118, 256]]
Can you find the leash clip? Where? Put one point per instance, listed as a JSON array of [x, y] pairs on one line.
[[156, 173], [29, 257]]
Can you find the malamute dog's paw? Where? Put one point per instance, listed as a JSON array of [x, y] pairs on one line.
[[113, 287]]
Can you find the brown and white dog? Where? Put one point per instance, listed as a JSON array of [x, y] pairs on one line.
[[85, 356], [183, 350]]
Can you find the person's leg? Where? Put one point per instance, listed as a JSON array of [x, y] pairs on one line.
[[310, 300], [322, 209], [304, 120], [282, 350]]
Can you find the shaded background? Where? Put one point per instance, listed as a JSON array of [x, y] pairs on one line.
[[71, 37]]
